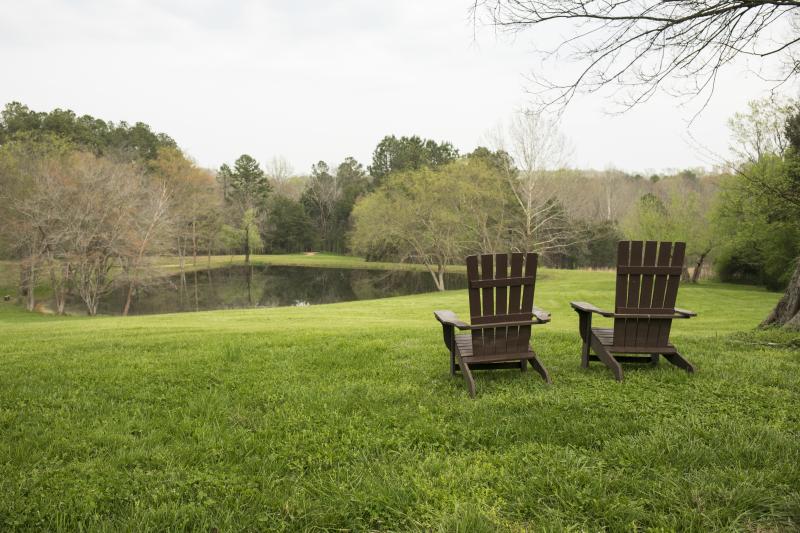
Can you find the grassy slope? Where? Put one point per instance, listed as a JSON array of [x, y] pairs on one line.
[[320, 260], [344, 416]]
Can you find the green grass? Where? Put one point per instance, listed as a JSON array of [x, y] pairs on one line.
[[345, 417], [319, 260]]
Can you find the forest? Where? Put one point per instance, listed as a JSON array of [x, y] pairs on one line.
[[88, 205]]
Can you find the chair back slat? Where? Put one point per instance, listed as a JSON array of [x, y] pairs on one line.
[[487, 297], [648, 276], [646, 291], [501, 301], [474, 302], [514, 301], [621, 298], [497, 295]]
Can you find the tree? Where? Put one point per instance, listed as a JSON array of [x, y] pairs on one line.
[[765, 193], [102, 138], [435, 216], [408, 153], [248, 190], [681, 215], [536, 147], [642, 46], [249, 185], [319, 198], [289, 228], [637, 48], [762, 130]]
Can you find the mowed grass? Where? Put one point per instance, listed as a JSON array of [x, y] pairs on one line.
[[344, 416]]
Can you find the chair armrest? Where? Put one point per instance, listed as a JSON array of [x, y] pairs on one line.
[[685, 313], [542, 315], [584, 307], [449, 318]]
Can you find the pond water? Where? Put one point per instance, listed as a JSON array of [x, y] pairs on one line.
[[238, 287]]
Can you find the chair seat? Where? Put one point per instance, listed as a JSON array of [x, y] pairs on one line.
[[606, 338], [464, 349]]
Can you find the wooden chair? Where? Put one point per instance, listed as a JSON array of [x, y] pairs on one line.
[[501, 312], [648, 275]]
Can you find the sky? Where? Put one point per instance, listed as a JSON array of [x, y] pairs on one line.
[[313, 80]]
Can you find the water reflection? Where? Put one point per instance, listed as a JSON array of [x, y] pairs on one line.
[[237, 287]]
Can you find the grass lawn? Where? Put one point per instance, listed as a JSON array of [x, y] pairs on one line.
[[344, 416], [320, 260]]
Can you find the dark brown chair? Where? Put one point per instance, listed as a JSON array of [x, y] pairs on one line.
[[648, 275], [501, 312]]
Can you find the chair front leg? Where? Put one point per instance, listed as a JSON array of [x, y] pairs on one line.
[[585, 327], [449, 333]]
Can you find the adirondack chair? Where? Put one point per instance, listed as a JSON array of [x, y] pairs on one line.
[[501, 314], [648, 275]]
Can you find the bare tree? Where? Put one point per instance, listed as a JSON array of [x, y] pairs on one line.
[[642, 46], [280, 172], [537, 147], [146, 230]]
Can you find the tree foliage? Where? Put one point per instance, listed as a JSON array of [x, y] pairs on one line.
[[102, 138], [395, 154], [436, 216]]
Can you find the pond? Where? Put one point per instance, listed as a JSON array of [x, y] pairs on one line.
[[239, 287]]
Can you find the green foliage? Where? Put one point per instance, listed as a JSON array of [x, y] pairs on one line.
[[681, 214], [289, 228], [101, 137], [246, 236], [328, 198], [408, 153], [598, 248], [761, 232], [436, 216], [247, 182], [344, 417]]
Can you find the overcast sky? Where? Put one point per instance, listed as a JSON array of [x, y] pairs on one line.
[[319, 80]]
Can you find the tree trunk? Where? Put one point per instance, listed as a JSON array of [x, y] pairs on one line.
[[31, 282], [128, 299], [787, 311], [247, 245], [438, 276], [698, 268], [685, 274]]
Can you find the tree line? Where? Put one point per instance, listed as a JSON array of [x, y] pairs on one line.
[[90, 205]]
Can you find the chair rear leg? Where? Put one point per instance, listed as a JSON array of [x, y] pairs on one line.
[[537, 365], [654, 359], [467, 373], [607, 359], [523, 365], [679, 361]]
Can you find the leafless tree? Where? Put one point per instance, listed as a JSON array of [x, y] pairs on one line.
[[280, 172], [537, 147], [146, 231], [636, 47]]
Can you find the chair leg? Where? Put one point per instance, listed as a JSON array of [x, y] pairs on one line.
[[679, 361], [452, 363], [654, 359], [523, 365], [585, 355], [467, 373], [537, 365], [607, 359]]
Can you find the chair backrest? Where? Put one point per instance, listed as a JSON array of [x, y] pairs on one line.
[[498, 294], [648, 275]]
